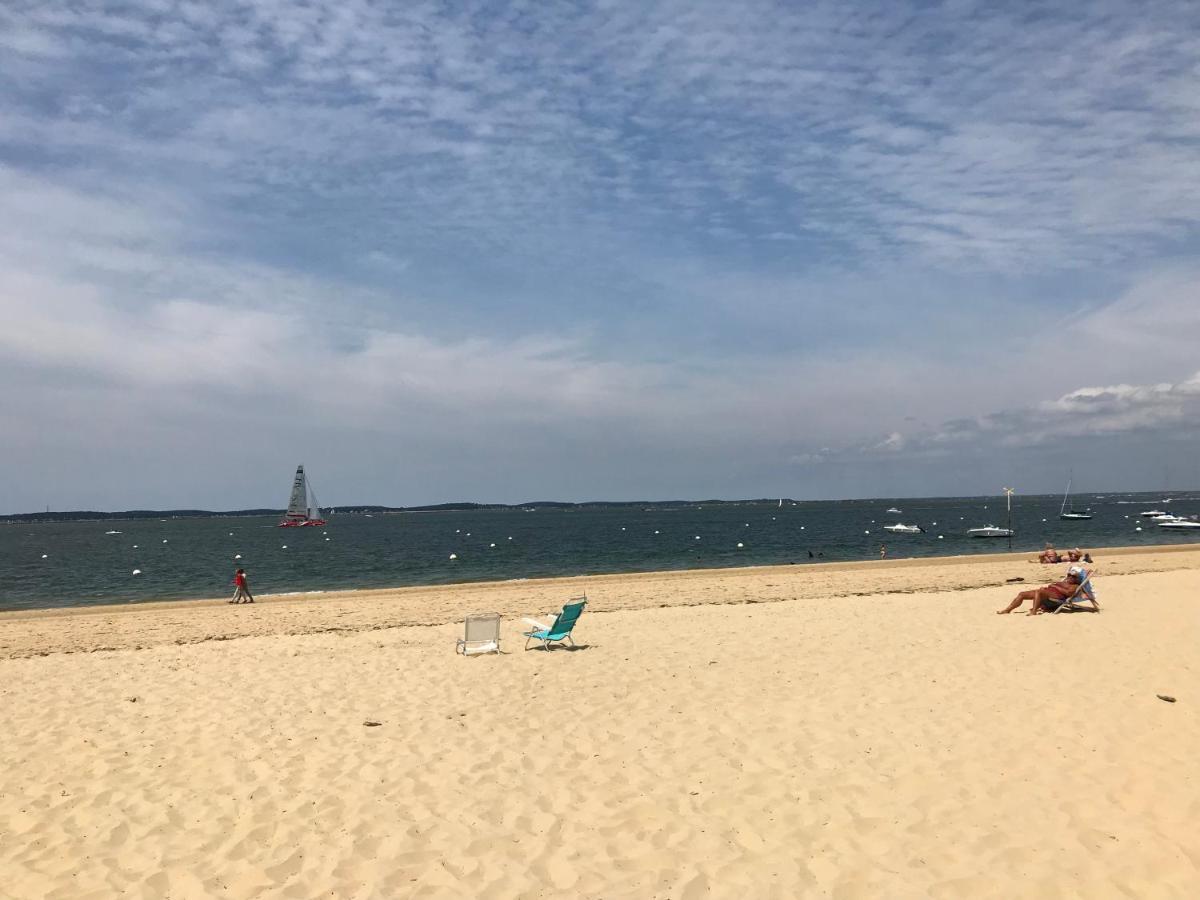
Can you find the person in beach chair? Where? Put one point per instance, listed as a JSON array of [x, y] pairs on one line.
[[560, 629], [1076, 588]]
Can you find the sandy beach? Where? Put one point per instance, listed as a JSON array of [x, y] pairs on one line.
[[844, 730]]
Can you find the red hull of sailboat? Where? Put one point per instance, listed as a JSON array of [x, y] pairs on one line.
[[307, 523]]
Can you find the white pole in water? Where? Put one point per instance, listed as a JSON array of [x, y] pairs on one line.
[[1008, 492]]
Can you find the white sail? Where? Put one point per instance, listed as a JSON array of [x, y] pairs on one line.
[[314, 508], [298, 503]]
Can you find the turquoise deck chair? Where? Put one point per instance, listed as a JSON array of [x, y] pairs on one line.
[[560, 630]]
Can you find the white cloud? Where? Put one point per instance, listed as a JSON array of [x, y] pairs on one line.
[[688, 228]]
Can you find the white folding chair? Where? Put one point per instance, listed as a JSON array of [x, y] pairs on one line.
[[481, 634]]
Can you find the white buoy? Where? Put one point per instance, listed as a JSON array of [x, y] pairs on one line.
[[740, 545], [1043, 520], [868, 531], [284, 547], [510, 537], [697, 537], [135, 546], [324, 532], [454, 556], [493, 545], [231, 534], [747, 524], [801, 527], [164, 540], [45, 556], [326, 538], [458, 531], [935, 523], [136, 572], [1139, 528], [237, 556], [656, 531], [468, 534], [941, 537], [622, 527]]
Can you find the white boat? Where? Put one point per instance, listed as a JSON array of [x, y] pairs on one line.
[[1062, 513], [303, 510], [1151, 513], [112, 532], [1180, 525], [1165, 517], [894, 511], [989, 531], [901, 528]]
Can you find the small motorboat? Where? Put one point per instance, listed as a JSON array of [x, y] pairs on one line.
[[990, 531], [1151, 513], [893, 511], [1180, 525], [901, 528]]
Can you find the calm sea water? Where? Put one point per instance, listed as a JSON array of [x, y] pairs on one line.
[[77, 563]]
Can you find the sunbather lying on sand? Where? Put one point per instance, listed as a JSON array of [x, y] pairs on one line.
[[1049, 597], [1049, 555]]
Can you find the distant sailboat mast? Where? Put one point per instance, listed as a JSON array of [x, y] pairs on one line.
[[1063, 513]]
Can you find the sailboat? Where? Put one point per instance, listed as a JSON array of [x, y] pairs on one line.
[[300, 513], [1062, 513]]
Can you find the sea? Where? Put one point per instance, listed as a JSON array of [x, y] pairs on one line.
[[57, 564]]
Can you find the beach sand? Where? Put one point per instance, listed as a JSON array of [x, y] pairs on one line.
[[865, 730]]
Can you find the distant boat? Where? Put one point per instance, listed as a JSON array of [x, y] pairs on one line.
[[300, 512], [1180, 525], [989, 531], [1151, 513], [894, 511], [901, 528], [112, 532], [1062, 513]]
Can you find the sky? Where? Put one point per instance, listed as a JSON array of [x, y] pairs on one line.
[[595, 250]]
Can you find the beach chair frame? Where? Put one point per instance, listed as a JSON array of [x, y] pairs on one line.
[[1084, 593], [560, 631], [481, 634]]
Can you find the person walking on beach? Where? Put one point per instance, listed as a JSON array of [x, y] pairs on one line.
[[883, 551], [241, 592]]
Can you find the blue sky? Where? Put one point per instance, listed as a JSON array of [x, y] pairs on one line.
[[502, 251]]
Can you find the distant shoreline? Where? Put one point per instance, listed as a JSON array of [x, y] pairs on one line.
[[470, 506]]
